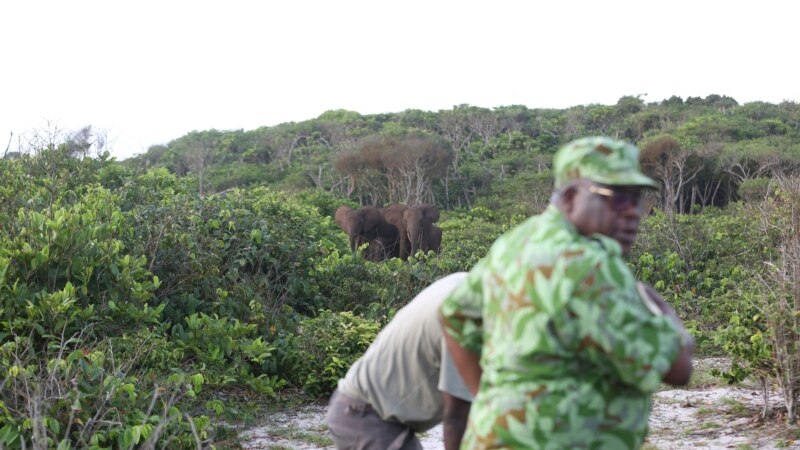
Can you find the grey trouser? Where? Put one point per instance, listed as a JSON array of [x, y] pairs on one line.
[[354, 425]]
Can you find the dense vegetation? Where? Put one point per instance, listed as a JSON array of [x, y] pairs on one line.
[[132, 295]]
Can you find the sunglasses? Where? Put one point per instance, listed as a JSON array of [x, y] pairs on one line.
[[618, 199]]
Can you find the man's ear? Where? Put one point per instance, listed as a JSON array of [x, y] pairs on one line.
[[568, 195]]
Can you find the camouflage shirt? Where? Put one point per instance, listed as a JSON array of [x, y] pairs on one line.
[[570, 353]]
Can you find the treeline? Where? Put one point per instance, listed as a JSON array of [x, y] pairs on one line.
[[132, 294], [702, 149]]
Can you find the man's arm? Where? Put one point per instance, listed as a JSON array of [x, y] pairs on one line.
[[467, 363], [454, 422], [681, 370]]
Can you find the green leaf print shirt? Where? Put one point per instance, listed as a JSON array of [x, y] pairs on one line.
[[569, 351]]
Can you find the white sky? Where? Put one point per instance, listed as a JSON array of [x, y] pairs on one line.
[[150, 71]]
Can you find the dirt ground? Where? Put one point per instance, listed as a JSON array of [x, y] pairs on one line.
[[708, 415]]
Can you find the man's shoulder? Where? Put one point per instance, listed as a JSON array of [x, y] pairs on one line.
[[544, 231]]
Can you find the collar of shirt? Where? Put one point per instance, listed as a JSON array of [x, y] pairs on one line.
[[609, 244]]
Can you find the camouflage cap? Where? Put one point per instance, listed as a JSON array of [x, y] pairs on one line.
[[602, 160]]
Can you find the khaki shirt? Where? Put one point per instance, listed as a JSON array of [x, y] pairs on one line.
[[402, 373]]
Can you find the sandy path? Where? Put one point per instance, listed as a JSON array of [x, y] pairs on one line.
[[710, 418]]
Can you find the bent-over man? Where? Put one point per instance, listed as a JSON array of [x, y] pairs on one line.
[[404, 383]]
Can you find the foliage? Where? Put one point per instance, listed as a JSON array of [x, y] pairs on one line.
[[468, 235], [779, 302], [78, 396], [348, 283], [222, 177], [467, 153], [701, 263], [68, 288], [525, 194], [230, 254], [138, 279], [91, 276], [395, 168], [127, 288], [325, 202], [323, 348]]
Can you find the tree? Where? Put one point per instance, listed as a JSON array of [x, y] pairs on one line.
[[198, 148], [455, 127], [665, 160], [83, 142], [779, 215], [395, 168], [629, 104]]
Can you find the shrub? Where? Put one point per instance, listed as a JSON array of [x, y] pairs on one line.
[[701, 264], [80, 394], [323, 348]]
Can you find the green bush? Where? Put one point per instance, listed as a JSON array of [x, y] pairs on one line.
[[701, 263], [80, 394], [68, 287], [232, 254], [325, 202], [346, 282], [323, 348], [467, 236], [229, 351]]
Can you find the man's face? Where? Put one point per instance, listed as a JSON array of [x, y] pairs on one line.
[[613, 211]]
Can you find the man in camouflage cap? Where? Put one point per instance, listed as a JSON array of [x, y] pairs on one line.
[[571, 346]]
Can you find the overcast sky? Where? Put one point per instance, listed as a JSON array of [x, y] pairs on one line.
[[149, 72]]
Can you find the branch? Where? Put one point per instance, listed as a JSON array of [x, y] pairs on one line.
[[10, 137]]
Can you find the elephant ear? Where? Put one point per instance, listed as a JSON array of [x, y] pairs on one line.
[[430, 212], [342, 217]]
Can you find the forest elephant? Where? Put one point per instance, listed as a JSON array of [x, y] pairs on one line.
[[357, 222], [386, 241], [418, 221], [381, 249], [375, 251], [366, 224]]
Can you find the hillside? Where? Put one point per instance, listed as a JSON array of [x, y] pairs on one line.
[[152, 302]]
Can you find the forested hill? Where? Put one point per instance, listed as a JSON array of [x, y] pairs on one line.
[[702, 149], [139, 311]]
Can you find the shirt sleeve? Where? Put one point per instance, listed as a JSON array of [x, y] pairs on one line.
[[461, 311], [450, 380], [607, 323]]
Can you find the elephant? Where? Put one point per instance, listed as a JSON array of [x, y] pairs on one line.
[[356, 222], [386, 239], [413, 223], [418, 222], [381, 249], [375, 250], [366, 224]]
